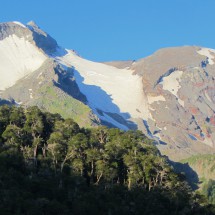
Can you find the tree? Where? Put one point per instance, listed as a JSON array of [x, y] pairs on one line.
[[57, 149], [13, 136], [34, 126]]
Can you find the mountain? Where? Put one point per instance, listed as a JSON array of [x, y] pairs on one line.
[[169, 95], [31, 77]]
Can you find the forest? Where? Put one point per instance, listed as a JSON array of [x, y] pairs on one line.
[[49, 165]]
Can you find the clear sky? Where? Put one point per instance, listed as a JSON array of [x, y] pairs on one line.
[[105, 30]]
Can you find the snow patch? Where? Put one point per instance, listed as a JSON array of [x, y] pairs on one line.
[[18, 58], [181, 102], [31, 93], [19, 23], [18, 103], [109, 119], [207, 96], [171, 83], [39, 75], [207, 52], [152, 99]]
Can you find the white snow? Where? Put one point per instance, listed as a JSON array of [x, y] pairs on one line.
[[18, 103], [108, 88], [207, 96], [181, 102], [112, 121], [39, 75], [152, 99], [207, 52], [31, 93], [172, 82], [18, 58], [19, 23]]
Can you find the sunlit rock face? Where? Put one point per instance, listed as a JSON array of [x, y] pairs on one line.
[[179, 84]]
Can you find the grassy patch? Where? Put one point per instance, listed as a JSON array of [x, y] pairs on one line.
[[54, 100], [203, 165]]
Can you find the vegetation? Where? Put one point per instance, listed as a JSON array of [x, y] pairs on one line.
[[56, 101], [209, 191], [49, 165], [204, 166]]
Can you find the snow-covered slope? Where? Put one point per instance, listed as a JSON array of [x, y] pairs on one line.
[[108, 89], [18, 58]]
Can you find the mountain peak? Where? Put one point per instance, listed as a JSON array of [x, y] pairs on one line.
[[33, 24], [42, 39], [35, 28]]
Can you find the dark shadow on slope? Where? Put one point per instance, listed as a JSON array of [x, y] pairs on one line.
[[45, 42], [42, 39], [67, 83], [162, 142], [104, 105], [185, 169], [151, 135], [7, 102]]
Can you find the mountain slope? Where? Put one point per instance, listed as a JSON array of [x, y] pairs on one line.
[[18, 55], [173, 103], [169, 96], [179, 84], [204, 166], [30, 77], [115, 95]]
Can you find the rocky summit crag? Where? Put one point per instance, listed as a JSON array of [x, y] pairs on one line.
[[169, 95]]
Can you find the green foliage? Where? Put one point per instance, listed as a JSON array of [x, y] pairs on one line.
[[209, 191], [52, 101], [204, 166], [49, 165]]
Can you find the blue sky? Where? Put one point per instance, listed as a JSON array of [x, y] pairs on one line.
[[105, 30]]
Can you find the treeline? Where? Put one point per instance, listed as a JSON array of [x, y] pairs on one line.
[[49, 165]]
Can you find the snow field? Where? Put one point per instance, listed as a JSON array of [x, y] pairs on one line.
[[108, 88], [18, 58]]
